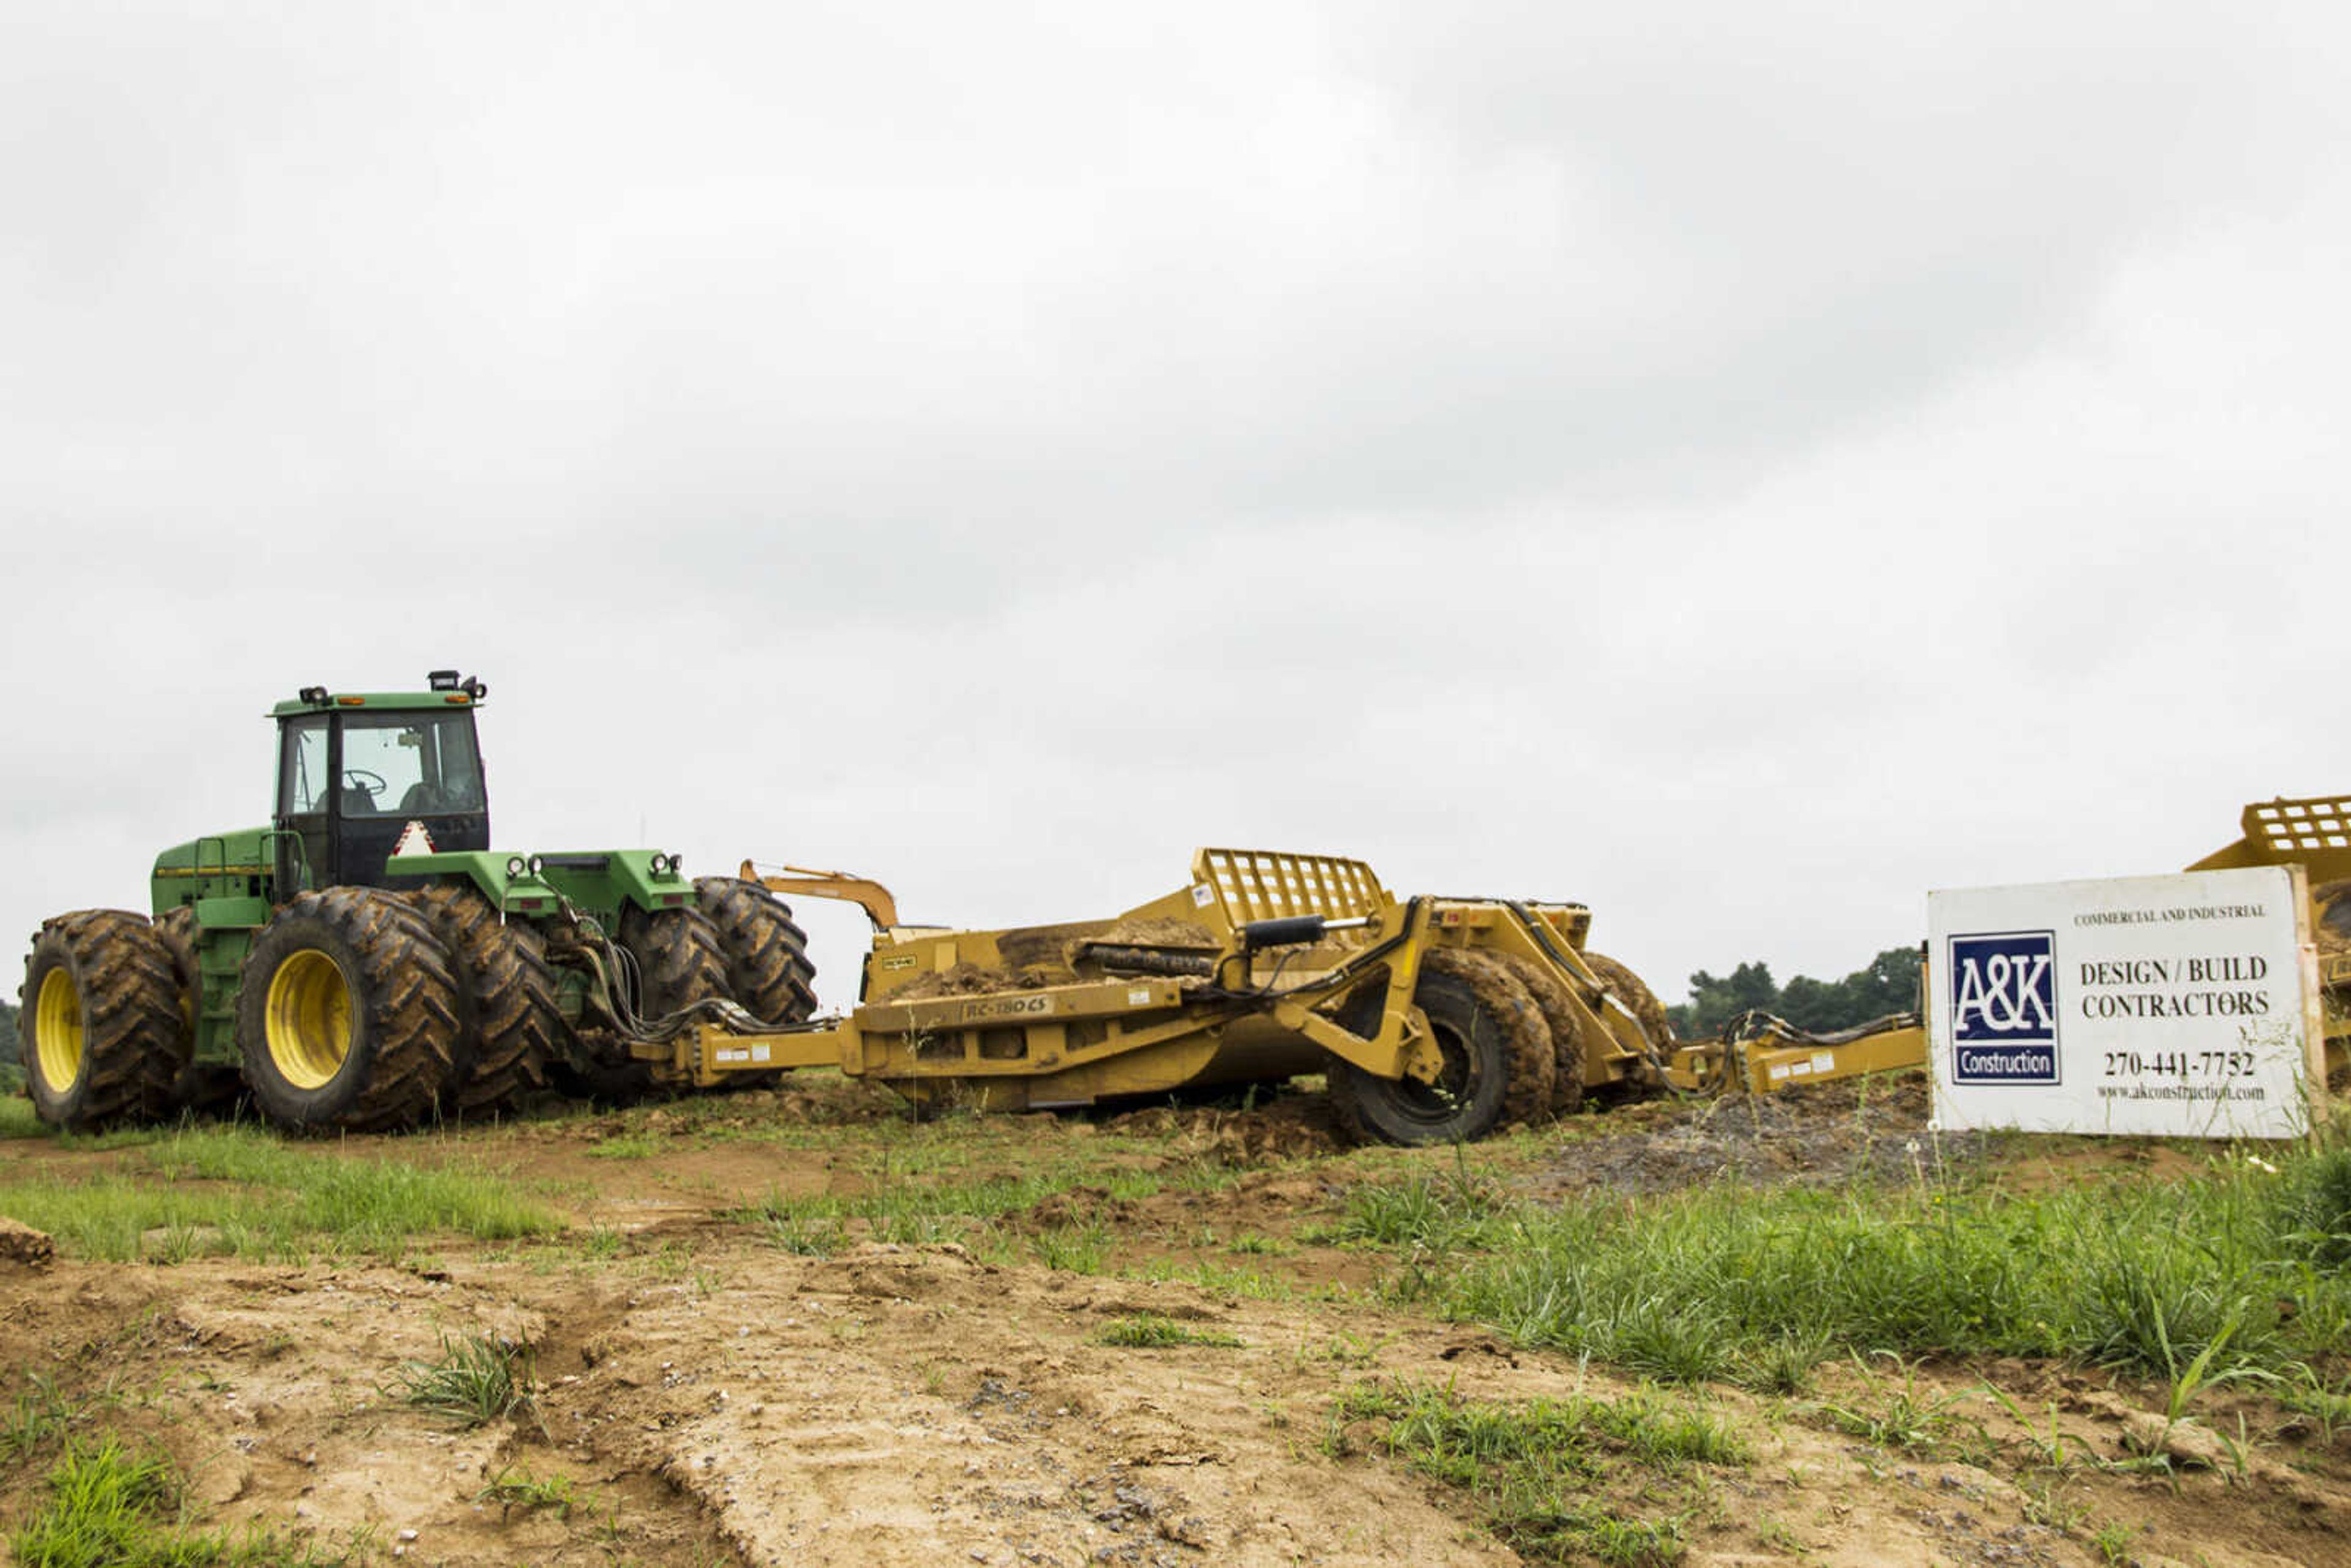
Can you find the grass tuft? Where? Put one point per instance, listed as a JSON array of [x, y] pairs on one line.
[[511, 1488], [1148, 1331], [476, 1380], [1537, 1469], [110, 1507]]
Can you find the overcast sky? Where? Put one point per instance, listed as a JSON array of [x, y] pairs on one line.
[[1739, 466]]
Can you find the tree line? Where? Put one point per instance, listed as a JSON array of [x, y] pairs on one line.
[[1889, 985]]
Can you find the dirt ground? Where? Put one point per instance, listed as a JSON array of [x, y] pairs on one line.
[[711, 1397]]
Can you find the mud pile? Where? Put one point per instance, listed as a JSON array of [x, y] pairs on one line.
[[965, 979], [1821, 1137], [1291, 1127]]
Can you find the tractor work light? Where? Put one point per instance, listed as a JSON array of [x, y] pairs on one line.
[[517, 865], [537, 864], [661, 864], [442, 680]]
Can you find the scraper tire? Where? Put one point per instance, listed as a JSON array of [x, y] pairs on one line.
[[1644, 1007], [1551, 998], [1467, 1101]]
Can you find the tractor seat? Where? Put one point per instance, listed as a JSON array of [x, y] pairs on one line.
[[357, 803]]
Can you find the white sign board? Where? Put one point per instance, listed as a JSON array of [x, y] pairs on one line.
[[2179, 1006]]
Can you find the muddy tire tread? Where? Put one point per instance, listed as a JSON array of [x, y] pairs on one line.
[[1551, 998], [509, 1023], [765, 951], [131, 1037], [405, 991], [1629, 990], [1527, 1043], [679, 962]]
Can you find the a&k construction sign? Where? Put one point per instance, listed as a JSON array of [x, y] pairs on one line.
[[2183, 1004]]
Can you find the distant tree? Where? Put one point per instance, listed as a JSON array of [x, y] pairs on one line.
[[12, 1075], [1714, 1002], [1889, 985]]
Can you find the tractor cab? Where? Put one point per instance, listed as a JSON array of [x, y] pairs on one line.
[[357, 773]]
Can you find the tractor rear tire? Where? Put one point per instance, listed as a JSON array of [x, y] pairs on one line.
[[347, 1013], [767, 952], [509, 1023], [1551, 998], [1645, 1005], [1477, 1039], [99, 1025], [679, 962]]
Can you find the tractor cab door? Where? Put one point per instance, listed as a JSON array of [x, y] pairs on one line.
[[350, 781], [305, 802], [394, 768]]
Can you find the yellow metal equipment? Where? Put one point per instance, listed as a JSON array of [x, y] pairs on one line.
[[2315, 835], [1434, 1018]]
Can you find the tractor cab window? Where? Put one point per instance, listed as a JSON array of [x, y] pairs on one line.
[[302, 787], [409, 765]]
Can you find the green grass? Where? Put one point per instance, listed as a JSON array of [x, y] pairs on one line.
[[2246, 1262], [477, 1379], [626, 1146], [1540, 1470], [18, 1119], [1903, 1418], [110, 1507], [244, 1191], [1148, 1331], [38, 1415], [511, 1488]]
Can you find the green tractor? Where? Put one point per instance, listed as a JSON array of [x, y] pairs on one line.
[[367, 961]]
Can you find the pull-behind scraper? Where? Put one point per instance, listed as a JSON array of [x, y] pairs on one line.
[[1435, 1019]]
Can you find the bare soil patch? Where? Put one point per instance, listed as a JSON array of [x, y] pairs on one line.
[[709, 1395]]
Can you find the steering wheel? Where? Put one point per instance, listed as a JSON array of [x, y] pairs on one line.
[[373, 783]]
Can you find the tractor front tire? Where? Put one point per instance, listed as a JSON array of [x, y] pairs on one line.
[[509, 1023], [98, 1021], [767, 952], [1467, 1101], [347, 1013]]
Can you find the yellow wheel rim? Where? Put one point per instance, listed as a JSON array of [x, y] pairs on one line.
[[308, 1019], [58, 1031]]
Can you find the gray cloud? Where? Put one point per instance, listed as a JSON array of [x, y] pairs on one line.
[[1741, 466]]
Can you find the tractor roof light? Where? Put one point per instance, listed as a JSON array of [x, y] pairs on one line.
[[443, 680], [311, 694]]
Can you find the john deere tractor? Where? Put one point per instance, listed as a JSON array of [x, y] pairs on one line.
[[367, 960]]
